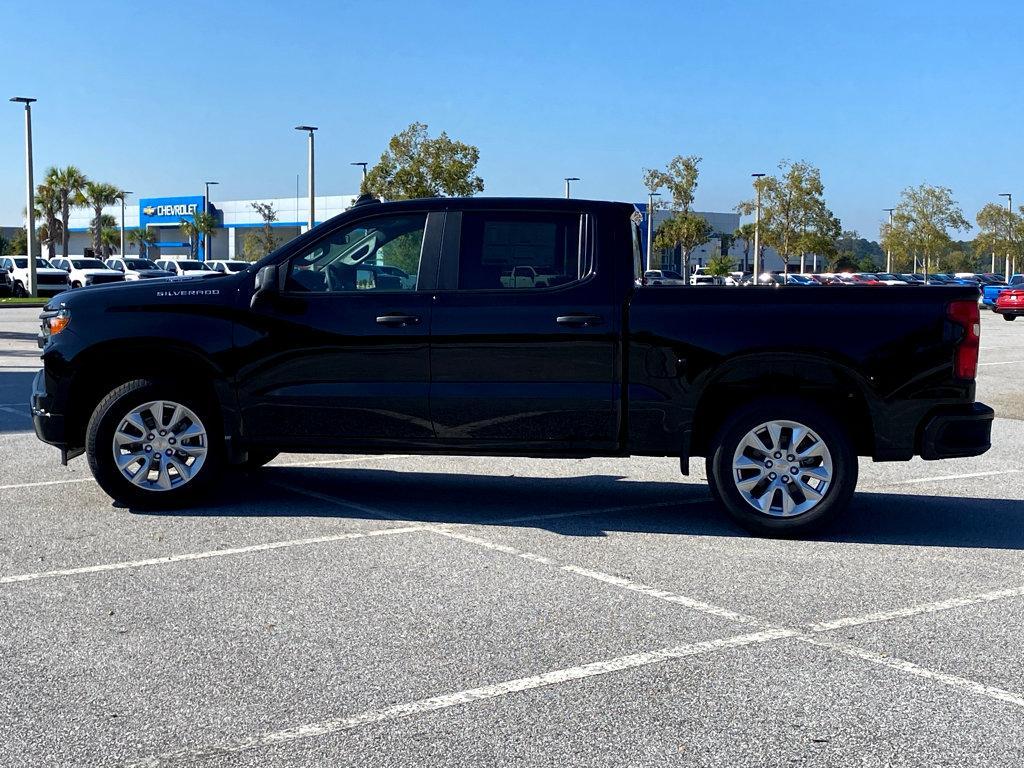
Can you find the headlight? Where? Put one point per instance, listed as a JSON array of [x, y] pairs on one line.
[[55, 321]]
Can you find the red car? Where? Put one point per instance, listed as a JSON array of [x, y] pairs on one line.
[[1010, 303]]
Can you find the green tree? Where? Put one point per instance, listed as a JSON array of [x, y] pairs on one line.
[[922, 222], [47, 211], [745, 232], [110, 240], [5, 246], [260, 242], [97, 196], [143, 238], [720, 266], [19, 242], [417, 166], [959, 259], [1001, 232], [685, 231], [794, 217]]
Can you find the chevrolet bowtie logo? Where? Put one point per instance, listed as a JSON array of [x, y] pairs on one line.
[[149, 210]]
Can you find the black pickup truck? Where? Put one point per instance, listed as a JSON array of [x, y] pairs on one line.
[[506, 327]]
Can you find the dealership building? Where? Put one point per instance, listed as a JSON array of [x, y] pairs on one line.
[[163, 217]]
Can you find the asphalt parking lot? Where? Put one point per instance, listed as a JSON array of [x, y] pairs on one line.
[[449, 611]]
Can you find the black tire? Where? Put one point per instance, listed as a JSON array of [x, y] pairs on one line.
[[257, 458], [1009, 317], [837, 494], [106, 419], [19, 290], [75, 284]]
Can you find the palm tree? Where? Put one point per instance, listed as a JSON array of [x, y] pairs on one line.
[[47, 210], [142, 238], [110, 239], [202, 224], [68, 182], [97, 196]]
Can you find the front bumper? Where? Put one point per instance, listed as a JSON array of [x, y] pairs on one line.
[[957, 431], [49, 426]]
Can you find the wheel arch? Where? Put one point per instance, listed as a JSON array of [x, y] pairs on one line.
[[103, 367], [826, 383]]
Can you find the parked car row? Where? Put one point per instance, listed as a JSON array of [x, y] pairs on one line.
[[699, 277], [61, 274]]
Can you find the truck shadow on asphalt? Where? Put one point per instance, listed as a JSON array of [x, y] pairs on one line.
[[654, 507]]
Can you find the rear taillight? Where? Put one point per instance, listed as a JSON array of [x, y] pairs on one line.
[[965, 314]]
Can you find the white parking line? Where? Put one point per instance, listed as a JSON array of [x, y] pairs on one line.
[[1001, 363], [465, 697], [44, 483], [905, 666], [960, 476], [208, 554]]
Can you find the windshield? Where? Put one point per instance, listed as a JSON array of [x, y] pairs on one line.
[[21, 264], [887, 276], [193, 264], [235, 266], [88, 264], [140, 264], [672, 275]]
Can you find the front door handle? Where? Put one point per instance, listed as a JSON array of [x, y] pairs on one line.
[[579, 320], [398, 320]]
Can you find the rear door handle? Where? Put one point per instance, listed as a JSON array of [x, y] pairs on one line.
[[579, 320], [397, 320]]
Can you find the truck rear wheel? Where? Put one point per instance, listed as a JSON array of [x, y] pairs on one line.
[[150, 444], [782, 467]]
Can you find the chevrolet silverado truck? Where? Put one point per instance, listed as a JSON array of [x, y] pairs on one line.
[[322, 347]]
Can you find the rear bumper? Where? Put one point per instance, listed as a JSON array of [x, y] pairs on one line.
[[1012, 311], [957, 431]]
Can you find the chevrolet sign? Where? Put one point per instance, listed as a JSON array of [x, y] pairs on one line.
[[168, 210]]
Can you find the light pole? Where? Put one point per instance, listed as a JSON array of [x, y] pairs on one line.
[[312, 186], [567, 180], [364, 165], [123, 195], [888, 245], [650, 226], [757, 230], [206, 209], [30, 230], [1009, 229]]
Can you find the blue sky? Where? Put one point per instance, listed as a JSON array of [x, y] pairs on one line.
[[158, 96]]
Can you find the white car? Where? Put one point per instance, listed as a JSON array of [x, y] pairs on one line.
[[229, 266], [703, 279], [185, 267], [86, 271], [663, 278], [136, 268], [49, 280]]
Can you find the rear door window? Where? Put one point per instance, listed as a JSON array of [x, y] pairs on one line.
[[522, 250]]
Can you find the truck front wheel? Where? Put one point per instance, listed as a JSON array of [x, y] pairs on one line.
[[782, 467], [150, 444]]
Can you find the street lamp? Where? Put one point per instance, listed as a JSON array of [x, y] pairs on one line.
[[567, 180], [650, 226], [1009, 229], [363, 164], [310, 129], [888, 245], [757, 230], [123, 195], [30, 230], [206, 209]]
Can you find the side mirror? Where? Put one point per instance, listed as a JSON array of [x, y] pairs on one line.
[[266, 285]]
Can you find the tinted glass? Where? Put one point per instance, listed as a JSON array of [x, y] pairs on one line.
[[88, 264], [379, 254], [193, 264], [519, 250], [140, 264]]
